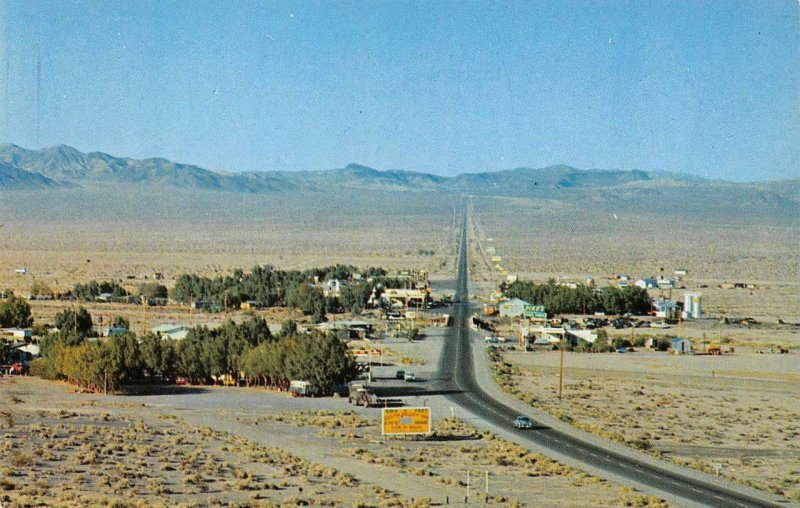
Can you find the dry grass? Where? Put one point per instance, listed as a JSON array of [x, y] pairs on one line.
[[749, 426]]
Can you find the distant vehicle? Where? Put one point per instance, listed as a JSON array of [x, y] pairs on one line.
[[523, 422], [500, 338], [410, 376], [623, 350], [18, 369], [362, 395], [401, 374], [659, 324], [302, 389], [490, 340]]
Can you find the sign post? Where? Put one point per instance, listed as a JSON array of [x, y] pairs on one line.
[[405, 421]]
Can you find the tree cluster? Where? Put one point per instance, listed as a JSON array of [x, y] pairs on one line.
[[322, 359], [559, 299], [204, 356], [91, 290], [270, 287]]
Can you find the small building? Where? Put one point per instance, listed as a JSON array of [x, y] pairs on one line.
[[18, 334], [171, 331], [664, 283], [333, 287], [512, 308], [681, 346], [112, 330], [667, 309], [355, 328], [647, 283]]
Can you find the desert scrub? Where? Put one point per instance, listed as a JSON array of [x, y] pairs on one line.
[[629, 497]]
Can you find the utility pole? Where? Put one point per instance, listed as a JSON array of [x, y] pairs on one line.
[[144, 314], [561, 370]]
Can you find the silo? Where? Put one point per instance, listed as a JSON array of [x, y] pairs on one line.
[[692, 305]]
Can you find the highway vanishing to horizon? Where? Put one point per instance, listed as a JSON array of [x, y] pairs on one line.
[[458, 381]]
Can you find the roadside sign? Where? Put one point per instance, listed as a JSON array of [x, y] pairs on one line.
[[406, 420], [534, 311]]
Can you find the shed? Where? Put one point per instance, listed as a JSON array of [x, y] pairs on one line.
[[681, 346]]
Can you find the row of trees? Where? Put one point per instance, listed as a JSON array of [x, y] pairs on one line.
[[559, 299], [90, 291], [204, 356]]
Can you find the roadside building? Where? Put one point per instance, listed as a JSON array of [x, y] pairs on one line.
[[512, 308], [667, 309], [681, 346]]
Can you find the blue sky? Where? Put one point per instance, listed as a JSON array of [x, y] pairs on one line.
[[709, 88]]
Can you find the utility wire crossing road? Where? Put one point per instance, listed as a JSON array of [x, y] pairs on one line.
[[458, 375]]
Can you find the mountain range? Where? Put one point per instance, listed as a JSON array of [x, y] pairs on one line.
[[62, 166]]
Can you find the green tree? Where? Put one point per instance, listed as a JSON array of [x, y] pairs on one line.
[[124, 357], [601, 344], [121, 322], [309, 299], [152, 290], [151, 354], [77, 321], [15, 312]]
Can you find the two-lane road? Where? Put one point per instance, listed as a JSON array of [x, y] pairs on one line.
[[457, 373]]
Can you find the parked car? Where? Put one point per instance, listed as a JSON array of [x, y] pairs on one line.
[[410, 376], [523, 422], [18, 369], [490, 340], [401, 374]]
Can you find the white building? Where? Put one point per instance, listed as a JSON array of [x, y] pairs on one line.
[[512, 308], [692, 305]]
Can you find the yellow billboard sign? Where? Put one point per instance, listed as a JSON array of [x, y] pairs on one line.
[[406, 420]]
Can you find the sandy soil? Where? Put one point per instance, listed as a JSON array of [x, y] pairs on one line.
[[235, 446], [739, 411]]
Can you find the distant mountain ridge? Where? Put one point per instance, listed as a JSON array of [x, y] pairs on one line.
[[64, 166]]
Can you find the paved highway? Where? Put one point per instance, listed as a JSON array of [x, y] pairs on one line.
[[457, 373]]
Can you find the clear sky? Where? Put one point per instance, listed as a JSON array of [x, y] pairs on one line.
[[709, 88]]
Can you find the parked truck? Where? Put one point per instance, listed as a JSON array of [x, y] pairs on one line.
[[302, 389], [363, 395]]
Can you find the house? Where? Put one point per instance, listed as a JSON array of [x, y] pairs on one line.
[[171, 331], [333, 287], [664, 308], [18, 334], [512, 308], [664, 283], [356, 328], [647, 283], [398, 297], [681, 346], [111, 330]]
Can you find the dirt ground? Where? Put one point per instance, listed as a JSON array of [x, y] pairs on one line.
[[738, 413], [248, 447]]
